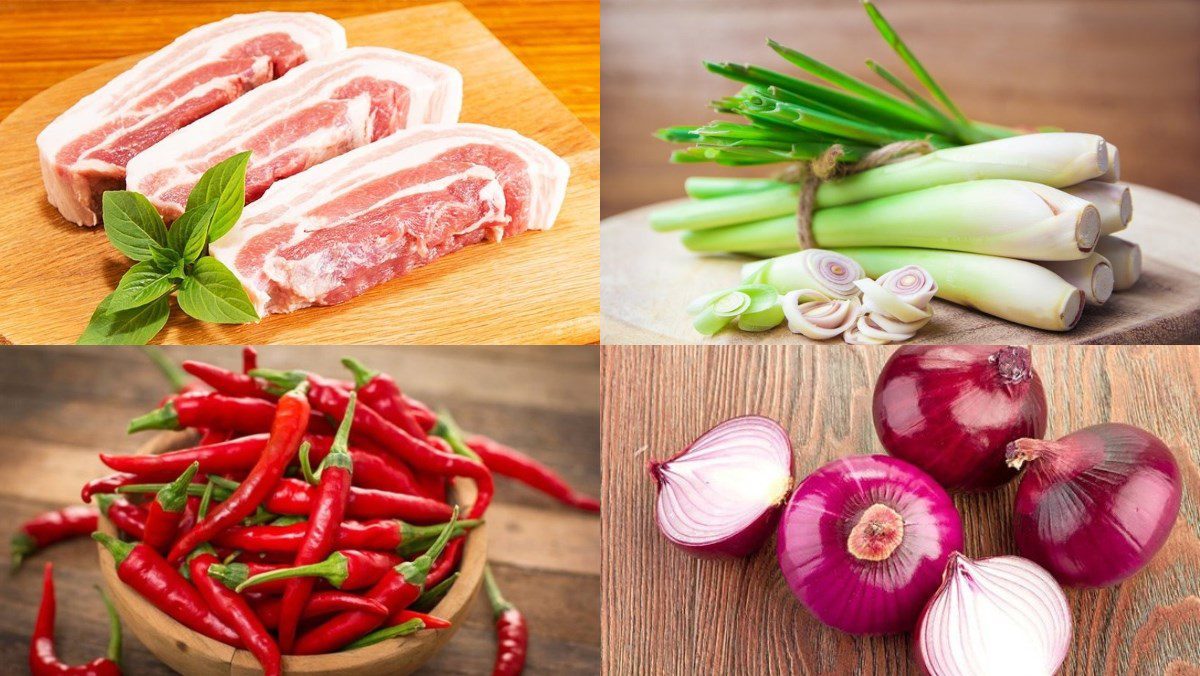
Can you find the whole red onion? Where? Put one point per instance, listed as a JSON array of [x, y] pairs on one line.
[[951, 410], [721, 495], [863, 542], [1095, 506]]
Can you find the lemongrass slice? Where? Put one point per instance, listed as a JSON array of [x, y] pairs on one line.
[[1112, 200], [828, 272], [716, 310], [1113, 173], [896, 326], [763, 320], [818, 316], [1053, 159], [1125, 257], [855, 336], [869, 327], [1016, 290], [878, 299], [911, 284], [1092, 275]]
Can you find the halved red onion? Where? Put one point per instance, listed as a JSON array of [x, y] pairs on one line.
[[1002, 615], [721, 495], [951, 410], [863, 542], [1095, 506]]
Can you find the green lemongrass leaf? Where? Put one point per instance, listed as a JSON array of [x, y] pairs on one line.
[[678, 134], [709, 323], [189, 233], [947, 125], [135, 326], [893, 39], [132, 224], [143, 283], [224, 182], [212, 293], [762, 320]]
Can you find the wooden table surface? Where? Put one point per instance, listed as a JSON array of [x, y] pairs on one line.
[[46, 42], [668, 613], [60, 406]]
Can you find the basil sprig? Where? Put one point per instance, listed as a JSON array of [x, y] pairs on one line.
[[174, 259]]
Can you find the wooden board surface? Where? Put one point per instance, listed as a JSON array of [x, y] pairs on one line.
[[539, 287], [647, 279], [1124, 70], [60, 406], [668, 613]]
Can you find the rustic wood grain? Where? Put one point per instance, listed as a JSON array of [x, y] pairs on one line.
[[668, 613], [647, 278], [536, 288], [60, 406], [1125, 70]]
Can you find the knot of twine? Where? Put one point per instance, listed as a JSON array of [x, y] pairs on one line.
[[810, 175]]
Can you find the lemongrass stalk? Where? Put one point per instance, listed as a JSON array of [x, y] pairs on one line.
[[1113, 173], [816, 269], [1056, 160], [1125, 257], [1112, 200], [708, 187], [714, 213], [1018, 291], [1017, 219], [1092, 275]]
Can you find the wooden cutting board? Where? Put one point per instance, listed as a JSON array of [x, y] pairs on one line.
[[648, 278], [536, 288]]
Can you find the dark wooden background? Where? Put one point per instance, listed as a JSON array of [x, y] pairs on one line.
[[668, 613], [1126, 69], [60, 406]]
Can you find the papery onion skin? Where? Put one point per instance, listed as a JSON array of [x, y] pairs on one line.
[[1097, 504], [679, 523], [951, 410], [858, 594], [990, 613]]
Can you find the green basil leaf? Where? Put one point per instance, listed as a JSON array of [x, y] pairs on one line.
[[211, 293], [142, 284], [165, 258], [132, 223], [224, 182], [128, 327], [189, 233]]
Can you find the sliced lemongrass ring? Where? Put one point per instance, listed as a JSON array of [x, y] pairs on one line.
[[870, 328], [911, 284], [854, 336], [816, 315], [878, 299]]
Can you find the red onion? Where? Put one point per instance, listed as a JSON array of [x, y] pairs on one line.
[[1095, 506], [721, 495], [1003, 615], [951, 410], [864, 540]]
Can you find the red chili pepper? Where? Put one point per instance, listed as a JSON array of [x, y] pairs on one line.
[[401, 623], [249, 359], [377, 535], [180, 383], [242, 414], [328, 508], [344, 569], [165, 511], [214, 436], [47, 528], [434, 593], [321, 603], [236, 455], [107, 484], [237, 613], [431, 622], [446, 565], [43, 661], [294, 497], [331, 400], [161, 584], [227, 382], [287, 431], [127, 517], [380, 392], [512, 634], [424, 415], [510, 462], [398, 588], [377, 469]]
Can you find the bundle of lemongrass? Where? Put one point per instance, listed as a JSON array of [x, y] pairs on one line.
[[1015, 225]]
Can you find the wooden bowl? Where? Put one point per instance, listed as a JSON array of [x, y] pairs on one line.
[[191, 653]]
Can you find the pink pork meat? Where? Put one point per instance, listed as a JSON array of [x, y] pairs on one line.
[[84, 151], [330, 233], [317, 111]]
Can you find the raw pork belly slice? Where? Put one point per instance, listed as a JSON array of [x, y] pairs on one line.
[[317, 111], [85, 150], [327, 234]]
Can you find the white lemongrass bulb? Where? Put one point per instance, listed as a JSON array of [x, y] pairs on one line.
[[830, 273], [1113, 173], [1092, 275], [818, 316], [1125, 257], [911, 284], [879, 300], [868, 325], [997, 616], [1056, 159], [1112, 200]]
